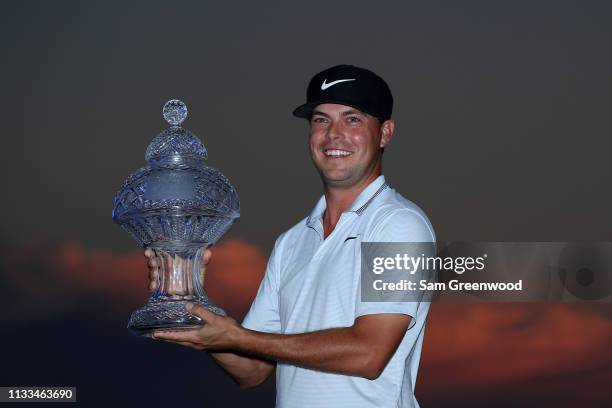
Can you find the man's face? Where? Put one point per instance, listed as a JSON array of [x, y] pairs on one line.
[[345, 144]]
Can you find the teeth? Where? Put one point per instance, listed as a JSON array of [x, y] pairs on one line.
[[337, 153]]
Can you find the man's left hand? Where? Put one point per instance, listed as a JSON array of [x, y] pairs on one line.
[[217, 332]]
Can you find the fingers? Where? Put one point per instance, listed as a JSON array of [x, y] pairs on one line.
[[181, 343], [199, 311], [189, 337], [151, 258], [206, 257], [153, 264], [153, 285], [157, 335], [153, 269], [205, 260], [153, 277]]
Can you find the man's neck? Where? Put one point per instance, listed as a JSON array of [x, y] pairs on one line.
[[339, 200]]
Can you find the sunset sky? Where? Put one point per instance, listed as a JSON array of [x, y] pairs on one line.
[[502, 134]]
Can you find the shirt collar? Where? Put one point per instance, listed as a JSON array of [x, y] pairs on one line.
[[359, 205]]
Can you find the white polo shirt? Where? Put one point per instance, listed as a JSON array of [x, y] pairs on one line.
[[313, 283]]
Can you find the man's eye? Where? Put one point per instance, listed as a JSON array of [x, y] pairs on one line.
[[318, 120], [354, 119]]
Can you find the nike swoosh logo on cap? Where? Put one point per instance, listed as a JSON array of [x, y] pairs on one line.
[[325, 85]]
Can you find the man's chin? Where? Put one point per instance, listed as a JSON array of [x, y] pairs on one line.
[[338, 180]]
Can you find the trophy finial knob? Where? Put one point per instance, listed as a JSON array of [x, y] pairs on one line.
[[175, 112]]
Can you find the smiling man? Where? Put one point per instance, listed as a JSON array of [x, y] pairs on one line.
[[307, 321]]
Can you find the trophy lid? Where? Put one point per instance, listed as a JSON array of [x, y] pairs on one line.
[[175, 144], [176, 197]]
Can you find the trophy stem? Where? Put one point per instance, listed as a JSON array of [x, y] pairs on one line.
[[180, 280]]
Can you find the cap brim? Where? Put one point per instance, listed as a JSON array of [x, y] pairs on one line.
[[305, 110]]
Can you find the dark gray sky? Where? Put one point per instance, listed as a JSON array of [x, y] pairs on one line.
[[503, 133], [502, 109]]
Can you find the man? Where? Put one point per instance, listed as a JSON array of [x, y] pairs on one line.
[[329, 348]]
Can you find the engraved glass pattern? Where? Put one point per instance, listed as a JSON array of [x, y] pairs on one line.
[[178, 206]]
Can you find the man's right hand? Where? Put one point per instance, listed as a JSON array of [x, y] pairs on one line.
[[153, 264]]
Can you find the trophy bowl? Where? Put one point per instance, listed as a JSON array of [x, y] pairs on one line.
[[178, 206]]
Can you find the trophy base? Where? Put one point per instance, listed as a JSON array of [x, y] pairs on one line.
[[169, 315]]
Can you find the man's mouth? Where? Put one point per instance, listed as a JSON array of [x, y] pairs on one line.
[[336, 153]]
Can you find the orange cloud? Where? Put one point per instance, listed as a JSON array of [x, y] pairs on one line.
[[469, 345], [45, 280], [233, 275]]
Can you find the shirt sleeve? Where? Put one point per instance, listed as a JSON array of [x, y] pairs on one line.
[[264, 315], [401, 225]]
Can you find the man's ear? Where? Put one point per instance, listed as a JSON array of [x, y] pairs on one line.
[[387, 128]]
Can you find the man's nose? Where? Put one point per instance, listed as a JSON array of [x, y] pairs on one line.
[[334, 131]]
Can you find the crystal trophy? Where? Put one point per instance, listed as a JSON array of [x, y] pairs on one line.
[[178, 206]]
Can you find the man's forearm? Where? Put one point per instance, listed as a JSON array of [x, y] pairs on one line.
[[340, 350], [246, 371], [363, 349]]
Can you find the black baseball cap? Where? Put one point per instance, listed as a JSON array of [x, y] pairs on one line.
[[348, 85]]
